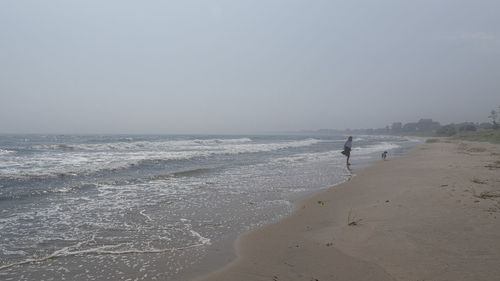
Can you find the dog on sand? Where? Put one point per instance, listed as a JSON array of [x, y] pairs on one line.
[[384, 155]]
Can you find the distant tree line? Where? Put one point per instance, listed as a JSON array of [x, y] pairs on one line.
[[428, 126], [495, 118], [424, 127]]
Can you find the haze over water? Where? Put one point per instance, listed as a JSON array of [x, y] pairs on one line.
[[243, 67], [94, 182]]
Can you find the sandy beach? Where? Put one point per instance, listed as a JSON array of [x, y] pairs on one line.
[[431, 215]]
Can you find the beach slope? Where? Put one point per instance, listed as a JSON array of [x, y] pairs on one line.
[[432, 215]]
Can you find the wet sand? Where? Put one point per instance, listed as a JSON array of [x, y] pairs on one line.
[[431, 215]]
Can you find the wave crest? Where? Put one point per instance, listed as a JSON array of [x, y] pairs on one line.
[[128, 145], [6, 151], [73, 162]]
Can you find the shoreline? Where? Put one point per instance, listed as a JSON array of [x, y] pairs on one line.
[[408, 218], [155, 219]]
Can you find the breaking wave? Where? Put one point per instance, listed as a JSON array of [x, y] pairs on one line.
[[142, 145], [380, 147], [70, 160], [5, 151]]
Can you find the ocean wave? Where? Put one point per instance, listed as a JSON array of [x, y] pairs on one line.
[[414, 139], [75, 163], [303, 157], [179, 173], [5, 151], [31, 193], [379, 147], [62, 190], [130, 145], [266, 147], [221, 141]]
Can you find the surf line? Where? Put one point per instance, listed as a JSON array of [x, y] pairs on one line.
[[66, 251]]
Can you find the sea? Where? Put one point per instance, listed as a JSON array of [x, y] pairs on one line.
[[156, 207]]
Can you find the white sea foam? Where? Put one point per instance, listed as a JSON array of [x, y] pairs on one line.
[[277, 202], [80, 248], [143, 145], [104, 250], [148, 218], [18, 252], [5, 151], [380, 147], [220, 141], [201, 239], [331, 155], [64, 163], [62, 190]]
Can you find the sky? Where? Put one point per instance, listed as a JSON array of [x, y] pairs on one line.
[[236, 67]]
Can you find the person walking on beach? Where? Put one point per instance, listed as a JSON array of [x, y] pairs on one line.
[[347, 149]]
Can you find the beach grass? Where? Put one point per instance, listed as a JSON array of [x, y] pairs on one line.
[[476, 149], [487, 195], [351, 221], [432, 140], [492, 136], [478, 181]]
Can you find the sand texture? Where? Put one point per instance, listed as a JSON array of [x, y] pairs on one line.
[[432, 215]]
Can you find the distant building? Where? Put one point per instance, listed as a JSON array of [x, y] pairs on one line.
[[396, 127], [427, 125], [410, 127]]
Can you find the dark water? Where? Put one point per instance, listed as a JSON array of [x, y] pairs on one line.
[[150, 207]]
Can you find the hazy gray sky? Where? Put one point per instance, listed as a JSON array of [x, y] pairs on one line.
[[244, 66]]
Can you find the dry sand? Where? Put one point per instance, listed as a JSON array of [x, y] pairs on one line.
[[432, 215]]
